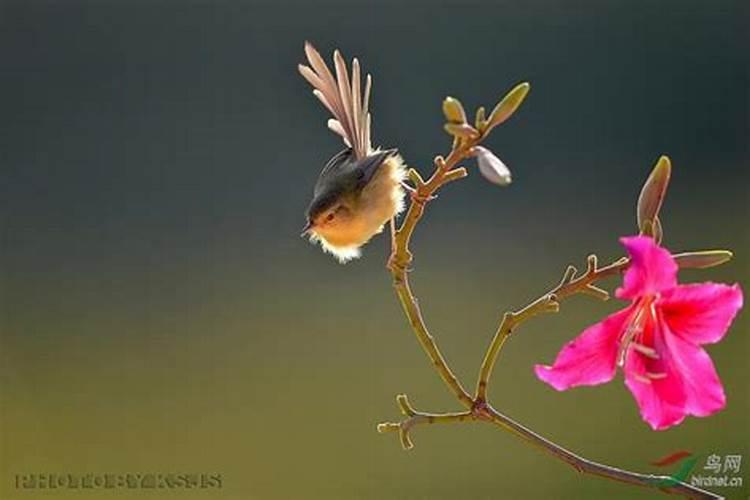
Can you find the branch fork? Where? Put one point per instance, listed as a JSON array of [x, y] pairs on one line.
[[414, 418]]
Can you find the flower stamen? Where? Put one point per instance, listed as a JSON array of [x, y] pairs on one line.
[[634, 328], [649, 352], [626, 342]]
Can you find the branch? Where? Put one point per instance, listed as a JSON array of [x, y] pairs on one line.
[[478, 408], [446, 170], [549, 302], [415, 418], [667, 484]]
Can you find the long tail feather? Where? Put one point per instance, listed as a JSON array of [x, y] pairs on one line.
[[342, 97]]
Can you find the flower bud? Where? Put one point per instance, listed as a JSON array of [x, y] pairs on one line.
[[508, 105], [652, 195], [491, 167], [454, 110]]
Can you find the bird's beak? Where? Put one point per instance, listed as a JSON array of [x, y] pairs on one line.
[[306, 229]]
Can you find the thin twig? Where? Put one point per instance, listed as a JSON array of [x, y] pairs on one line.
[[415, 418], [549, 302]]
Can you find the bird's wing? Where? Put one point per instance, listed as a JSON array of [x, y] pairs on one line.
[[343, 170], [339, 164], [342, 97], [369, 165]]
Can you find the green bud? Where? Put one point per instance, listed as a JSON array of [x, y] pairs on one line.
[[508, 105], [652, 196], [454, 110], [703, 259]]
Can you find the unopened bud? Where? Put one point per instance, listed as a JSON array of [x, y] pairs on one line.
[[652, 196], [491, 167], [508, 105], [454, 110]]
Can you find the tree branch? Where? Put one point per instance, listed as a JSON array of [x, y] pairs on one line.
[[478, 408], [666, 484], [549, 302]]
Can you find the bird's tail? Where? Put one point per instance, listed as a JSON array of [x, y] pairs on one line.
[[342, 97]]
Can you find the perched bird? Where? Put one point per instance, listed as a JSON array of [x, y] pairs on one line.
[[360, 189]]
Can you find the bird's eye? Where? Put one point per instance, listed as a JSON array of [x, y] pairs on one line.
[[330, 217]]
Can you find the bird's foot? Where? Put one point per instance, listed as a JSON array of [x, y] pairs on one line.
[[416, 196]]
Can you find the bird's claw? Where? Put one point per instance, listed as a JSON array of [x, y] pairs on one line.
[[415, 196]]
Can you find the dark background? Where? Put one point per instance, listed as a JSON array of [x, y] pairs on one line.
[[160, 312]]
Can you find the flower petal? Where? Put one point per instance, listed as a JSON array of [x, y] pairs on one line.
[[652, 268], [701, 313], [705, 394], [661, 402], [681, 382], [656, 384], [589, 359]]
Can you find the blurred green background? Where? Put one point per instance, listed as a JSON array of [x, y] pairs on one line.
[[161, 314]]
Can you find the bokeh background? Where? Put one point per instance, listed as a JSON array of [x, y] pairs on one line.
[[161, 314]]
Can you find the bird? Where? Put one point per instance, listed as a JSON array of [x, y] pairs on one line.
[[360, 188]]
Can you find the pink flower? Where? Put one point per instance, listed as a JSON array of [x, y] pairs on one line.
[[656, 340]]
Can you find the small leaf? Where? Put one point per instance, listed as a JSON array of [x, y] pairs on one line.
[[702, 260], [454, 110], [491, 167], [463, 130], [652, 196], [508, 105]]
